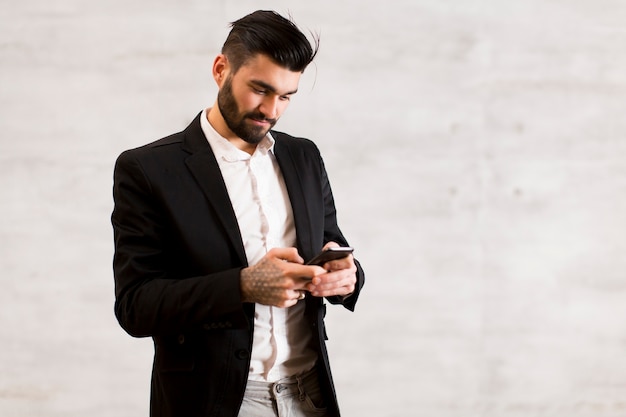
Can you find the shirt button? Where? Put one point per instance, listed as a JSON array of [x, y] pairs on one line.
[[242, 354]]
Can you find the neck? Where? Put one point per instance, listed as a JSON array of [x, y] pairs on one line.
[[215, 118]]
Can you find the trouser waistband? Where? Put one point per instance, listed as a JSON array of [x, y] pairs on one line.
[[294, 385]]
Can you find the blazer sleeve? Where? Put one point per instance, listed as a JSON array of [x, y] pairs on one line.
[[154, 293], [332, 233]]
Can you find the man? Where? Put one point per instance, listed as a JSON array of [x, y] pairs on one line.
[[212, 226]]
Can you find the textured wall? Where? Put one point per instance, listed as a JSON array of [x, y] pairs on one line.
[[477, 152]]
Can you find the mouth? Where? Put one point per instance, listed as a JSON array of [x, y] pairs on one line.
[[259, 120]]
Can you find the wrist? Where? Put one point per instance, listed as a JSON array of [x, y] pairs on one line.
[[244, 285]]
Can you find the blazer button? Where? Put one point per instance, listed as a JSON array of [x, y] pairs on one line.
[[242, 354], [181, 339]]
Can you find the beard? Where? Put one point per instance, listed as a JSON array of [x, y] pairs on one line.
[[237, 121]]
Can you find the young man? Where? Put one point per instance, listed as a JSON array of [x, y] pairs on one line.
[[212, 227]]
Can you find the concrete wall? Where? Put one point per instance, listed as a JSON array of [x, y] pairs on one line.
[[477, 152]]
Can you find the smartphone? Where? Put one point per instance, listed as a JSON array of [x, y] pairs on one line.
[[330, 254]]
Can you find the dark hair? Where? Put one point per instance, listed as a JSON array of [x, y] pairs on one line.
[[268, 33]]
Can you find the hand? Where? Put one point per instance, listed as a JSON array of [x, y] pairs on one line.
[[279, 279], [339, 277]]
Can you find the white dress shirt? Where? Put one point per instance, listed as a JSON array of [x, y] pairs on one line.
[[259, 198]]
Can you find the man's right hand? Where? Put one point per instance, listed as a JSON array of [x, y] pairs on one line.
[[279, 279]]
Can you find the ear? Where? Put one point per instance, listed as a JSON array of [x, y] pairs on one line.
[[221, 67]]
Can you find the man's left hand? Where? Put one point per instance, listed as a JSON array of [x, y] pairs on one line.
[[339, 280]]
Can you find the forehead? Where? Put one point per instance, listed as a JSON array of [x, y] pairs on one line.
[[263, 69]]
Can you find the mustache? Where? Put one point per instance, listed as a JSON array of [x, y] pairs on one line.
[[260, 116]]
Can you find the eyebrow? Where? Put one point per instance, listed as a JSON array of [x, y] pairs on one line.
[[271, 88]]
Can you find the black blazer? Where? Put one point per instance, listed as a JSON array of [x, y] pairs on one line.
[[178, 256]]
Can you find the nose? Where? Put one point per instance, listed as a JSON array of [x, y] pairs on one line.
[[270, 107]]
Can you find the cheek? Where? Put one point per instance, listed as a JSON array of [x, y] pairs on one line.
[[247, 101], [283, 106]]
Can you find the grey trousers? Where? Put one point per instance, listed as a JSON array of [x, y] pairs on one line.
[[297, 396]]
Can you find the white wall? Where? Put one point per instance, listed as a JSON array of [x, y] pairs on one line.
[[477, 152]]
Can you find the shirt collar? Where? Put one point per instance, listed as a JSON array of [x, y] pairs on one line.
[[225, 150]]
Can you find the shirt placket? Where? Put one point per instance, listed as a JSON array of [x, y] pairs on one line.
[[259, 190], [259, 166]]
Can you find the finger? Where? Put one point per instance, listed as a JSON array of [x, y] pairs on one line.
[[286, 254], [343, 263], [304, 273], [297, 295], [334, 291], [332, 282], [330, 287], [334, 271], [290, 298], [289, 303]]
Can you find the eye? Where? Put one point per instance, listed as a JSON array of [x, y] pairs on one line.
[[259, 91], [285, 98]]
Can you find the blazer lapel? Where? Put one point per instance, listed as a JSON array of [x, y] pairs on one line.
[[302, 219], [297, 198], [204, 168]]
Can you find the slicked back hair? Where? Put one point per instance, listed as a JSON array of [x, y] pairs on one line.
[[268, 33]]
